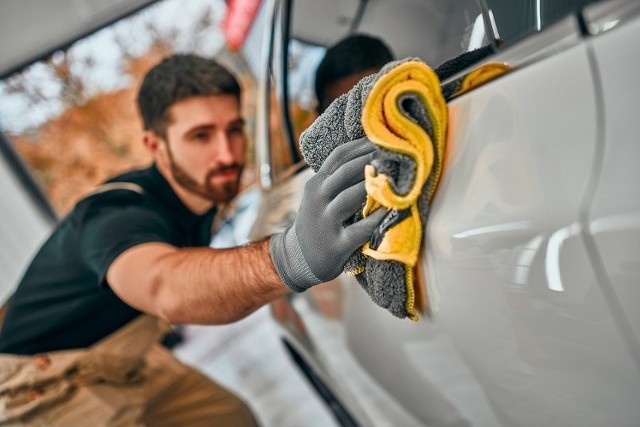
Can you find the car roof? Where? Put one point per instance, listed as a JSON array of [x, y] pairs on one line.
[[396, 21], [32, 29]]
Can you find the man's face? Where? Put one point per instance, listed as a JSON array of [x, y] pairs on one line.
[[205, 143]]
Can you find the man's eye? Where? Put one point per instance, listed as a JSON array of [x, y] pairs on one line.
[[236, 130], [201, 136]]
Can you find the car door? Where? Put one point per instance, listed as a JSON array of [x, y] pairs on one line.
[[523, 329], [614, 214], [510, 248]]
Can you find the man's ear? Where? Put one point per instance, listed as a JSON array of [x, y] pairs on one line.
[[151, 141], [157, 147]]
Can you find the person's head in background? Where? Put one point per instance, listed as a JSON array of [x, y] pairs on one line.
[[345, 63]]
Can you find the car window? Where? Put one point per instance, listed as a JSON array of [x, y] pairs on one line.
[[514, 20], [302, 60], [291, 103], [293, 110], [411, 29]]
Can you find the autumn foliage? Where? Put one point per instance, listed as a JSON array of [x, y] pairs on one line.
[[86, 144]]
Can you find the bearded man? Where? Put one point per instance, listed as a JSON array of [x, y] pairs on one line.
[[79, 341]]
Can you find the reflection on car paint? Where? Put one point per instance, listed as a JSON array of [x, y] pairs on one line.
[[552, 261]]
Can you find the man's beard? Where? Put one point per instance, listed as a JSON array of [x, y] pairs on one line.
[[220, 193]]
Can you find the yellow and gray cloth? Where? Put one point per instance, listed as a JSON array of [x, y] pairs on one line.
[[402, 111]]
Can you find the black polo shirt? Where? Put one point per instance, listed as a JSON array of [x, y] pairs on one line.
[[63, 300]]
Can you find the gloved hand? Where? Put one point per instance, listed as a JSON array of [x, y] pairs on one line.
[[316, 247]]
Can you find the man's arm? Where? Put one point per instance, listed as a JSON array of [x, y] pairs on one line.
[[204, 285], [196, 285]]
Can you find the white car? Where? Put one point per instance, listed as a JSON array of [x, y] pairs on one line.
[[531, 255]]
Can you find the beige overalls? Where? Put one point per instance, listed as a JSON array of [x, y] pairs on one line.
[[126, 379]]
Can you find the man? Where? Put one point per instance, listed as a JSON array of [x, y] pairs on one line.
[[345, 63], [79, 336]]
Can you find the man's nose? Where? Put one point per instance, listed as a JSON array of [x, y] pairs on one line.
[[224, 150]]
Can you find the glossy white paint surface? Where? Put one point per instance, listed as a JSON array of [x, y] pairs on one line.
[[614, 217], [415, 363], [508, 271], [279, 205], [525, 329]]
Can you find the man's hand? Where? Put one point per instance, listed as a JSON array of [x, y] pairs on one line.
[[316, 247]]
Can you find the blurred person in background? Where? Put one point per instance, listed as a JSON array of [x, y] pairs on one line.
[[345, 63]]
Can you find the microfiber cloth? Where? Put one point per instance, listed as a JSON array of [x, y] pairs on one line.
[[477, 76], [402, 111]]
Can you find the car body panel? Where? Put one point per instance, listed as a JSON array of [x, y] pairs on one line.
[[614, 216], [532, 294], [508, 271]]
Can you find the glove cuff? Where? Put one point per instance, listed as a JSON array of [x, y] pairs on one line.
[[289, 261]]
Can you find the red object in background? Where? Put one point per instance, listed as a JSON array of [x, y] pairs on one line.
[[237, 21]]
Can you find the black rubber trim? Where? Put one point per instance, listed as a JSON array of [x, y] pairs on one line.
[[584, 29], [284, 72], [341, 414], [357, 19], [266, 143]]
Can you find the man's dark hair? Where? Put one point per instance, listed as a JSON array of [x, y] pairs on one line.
[[178, 77], [354, 54]]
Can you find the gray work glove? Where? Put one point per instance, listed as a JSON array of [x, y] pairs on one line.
[[316, 247]]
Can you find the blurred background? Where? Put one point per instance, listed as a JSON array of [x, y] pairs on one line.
[[78, 105]]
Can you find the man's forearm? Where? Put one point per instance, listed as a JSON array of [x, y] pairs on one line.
[[213, 286], [196, 285]]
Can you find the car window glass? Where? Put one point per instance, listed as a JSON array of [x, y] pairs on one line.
[[279, 155], [296, 113], [420, 36], [302, 60], [514, 20]]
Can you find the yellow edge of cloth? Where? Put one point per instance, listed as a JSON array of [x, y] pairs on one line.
[[481, 75], [386, 126], [411, 294], [355, 271]]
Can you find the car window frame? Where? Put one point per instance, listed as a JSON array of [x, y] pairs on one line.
[[551, 42]]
